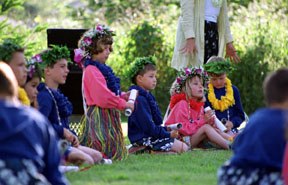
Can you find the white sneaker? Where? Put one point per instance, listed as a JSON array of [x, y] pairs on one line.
[[106, 161]]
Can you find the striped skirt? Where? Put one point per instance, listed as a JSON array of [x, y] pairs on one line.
[[102, 131]]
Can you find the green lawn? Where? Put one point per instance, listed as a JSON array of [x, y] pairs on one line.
[[197, 167], [194, 167]]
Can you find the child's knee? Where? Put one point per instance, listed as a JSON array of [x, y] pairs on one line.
[[80, 157], [185, 148], [180, 147], [97, 156]]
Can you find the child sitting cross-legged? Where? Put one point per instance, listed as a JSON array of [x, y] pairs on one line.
[[144, 124], [187, 107]]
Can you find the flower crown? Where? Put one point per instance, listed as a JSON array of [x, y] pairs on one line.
[[7, 48], [187, 73], [82, 52], [218, 65], [50, 56], [33, 66], [139, 64]]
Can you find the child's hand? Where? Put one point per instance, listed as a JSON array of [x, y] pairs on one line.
[[69, 136], [174, 134], [126, 95], [209, 117], [130, 105], [229, 125]]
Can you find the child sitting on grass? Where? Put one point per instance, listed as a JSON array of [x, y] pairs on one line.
[[57, 108], [259, 149], [187, 107], [13, 54], [223, 96], [29, 153], [33, 80], [144, 124]]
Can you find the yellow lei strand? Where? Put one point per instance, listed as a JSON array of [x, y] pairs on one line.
[[226, 101], [22, 96]]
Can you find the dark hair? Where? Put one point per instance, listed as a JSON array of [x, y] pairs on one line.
[[35, 72], [8, 82], [275, 86], [146, 68]]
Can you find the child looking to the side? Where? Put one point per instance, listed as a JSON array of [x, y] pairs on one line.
[[13, 54], [144, 124], [187, 107], [57, 108], [259, 148], [33, 80], [29, 152]]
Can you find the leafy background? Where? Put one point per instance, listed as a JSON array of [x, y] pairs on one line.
[[148, 27]]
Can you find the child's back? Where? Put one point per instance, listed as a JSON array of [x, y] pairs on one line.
[[259, 149], [28, 142]]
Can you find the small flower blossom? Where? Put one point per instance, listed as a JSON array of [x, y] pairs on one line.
[[186, 73], [78, 55], [99, 28], [87, 41]]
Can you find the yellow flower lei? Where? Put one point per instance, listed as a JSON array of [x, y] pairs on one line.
[[226, 101], [22, 96]]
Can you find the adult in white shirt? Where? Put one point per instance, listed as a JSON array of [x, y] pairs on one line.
[[203, 31]]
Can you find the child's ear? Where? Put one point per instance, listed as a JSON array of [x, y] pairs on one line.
[[47, 71], [139, 78]]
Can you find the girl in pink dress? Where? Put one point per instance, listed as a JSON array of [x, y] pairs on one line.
[[187, 107], [102, 94]]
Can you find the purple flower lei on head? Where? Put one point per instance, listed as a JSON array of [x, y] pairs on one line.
[[32, 63], [82, 53], [113, 82], [187, 73]]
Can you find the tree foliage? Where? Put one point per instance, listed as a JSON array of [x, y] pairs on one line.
[[261, 37], [148, 27]]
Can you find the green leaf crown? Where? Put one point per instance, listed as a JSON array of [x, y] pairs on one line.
[[7, 48], [218, 65], [49, 57], [139, 64]]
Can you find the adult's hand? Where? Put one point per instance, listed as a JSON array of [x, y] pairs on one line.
[[231, 53], [190, 46]]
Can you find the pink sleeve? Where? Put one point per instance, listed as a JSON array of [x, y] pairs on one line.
[[96, 91], [179, 114]]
